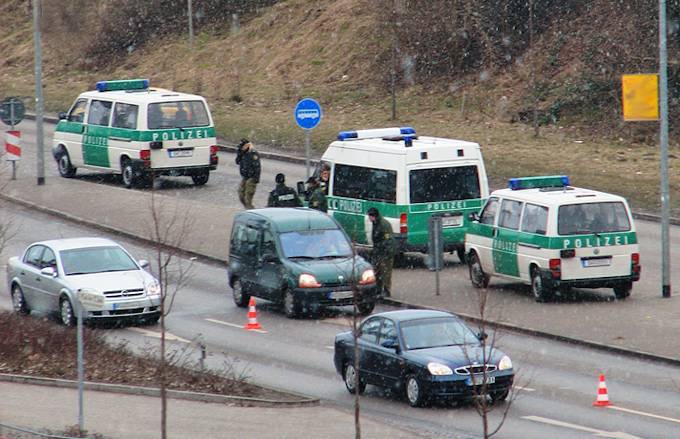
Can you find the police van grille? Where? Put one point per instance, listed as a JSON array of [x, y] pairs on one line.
[[116, 294]]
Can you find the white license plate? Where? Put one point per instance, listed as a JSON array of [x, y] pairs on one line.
[[452, 221], [341, 295], [604, 262], [181, 153], [479, 380], [127, 305]]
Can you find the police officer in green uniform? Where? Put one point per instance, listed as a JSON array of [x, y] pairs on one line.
[[282, 195], [249, 167], [317, 198], [382, 256]]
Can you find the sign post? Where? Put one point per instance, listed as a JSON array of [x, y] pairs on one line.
[[435, 248], [307, 115], [13, 150]]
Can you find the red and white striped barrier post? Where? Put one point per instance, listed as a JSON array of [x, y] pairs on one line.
[[13, 149]]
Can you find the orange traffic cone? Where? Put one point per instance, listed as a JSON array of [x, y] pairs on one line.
[[252, 316], [602, 396]]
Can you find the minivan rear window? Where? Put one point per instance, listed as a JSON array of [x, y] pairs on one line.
[[589, 218], [444, 184], [177, 114]]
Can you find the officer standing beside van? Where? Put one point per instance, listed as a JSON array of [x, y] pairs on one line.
[[317, 198], [282, 195], [382, 256], [249, 167]]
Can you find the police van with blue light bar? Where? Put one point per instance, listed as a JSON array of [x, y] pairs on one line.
[[543, 232], [408, 178], [128, 128]]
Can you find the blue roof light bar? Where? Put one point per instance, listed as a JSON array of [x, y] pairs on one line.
[[125, 84], [538, 182], [376, 133]]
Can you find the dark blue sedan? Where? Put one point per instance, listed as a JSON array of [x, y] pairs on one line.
[[426, 355]]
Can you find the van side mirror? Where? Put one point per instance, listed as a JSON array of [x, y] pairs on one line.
[[270, 258], [63, 116], [473, 216]]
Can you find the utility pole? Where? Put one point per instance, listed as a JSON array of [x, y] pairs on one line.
[[663, 137], [37, 14]]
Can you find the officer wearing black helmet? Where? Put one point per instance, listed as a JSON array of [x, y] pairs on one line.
[[249, 167], [282, 195]]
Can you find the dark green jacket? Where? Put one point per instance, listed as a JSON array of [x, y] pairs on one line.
[[383, 240], [249, 164], [283, 196], [318, 200]]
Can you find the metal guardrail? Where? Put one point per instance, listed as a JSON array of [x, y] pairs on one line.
[[14, 432]]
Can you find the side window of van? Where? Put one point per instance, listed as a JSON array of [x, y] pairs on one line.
[[268, 244], [244, 240], [77, 113], [99, 113], [510, 213], [535, 219], [365, 183], [488, 215], [125, 116]]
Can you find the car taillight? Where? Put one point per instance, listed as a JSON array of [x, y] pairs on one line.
[[403, 224], [555, 268], [214, 149], [145, 154], [635, 265], [213, 155]]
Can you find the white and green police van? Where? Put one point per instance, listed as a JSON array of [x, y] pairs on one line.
[[127, 128], [408, 178], [552, 236]]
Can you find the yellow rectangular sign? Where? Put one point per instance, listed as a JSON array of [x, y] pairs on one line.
[[640, 97]]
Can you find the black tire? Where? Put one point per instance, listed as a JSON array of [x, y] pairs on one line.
[[150, 320], [19, 301], [541, 292], [64, 165], [201, 179], [415, 394], [478, 278], [349, 375], [460, 251], [241, 299], [66, 314], [291, 306], [365, 308], [623, 290], [497, 397], [127, 175]]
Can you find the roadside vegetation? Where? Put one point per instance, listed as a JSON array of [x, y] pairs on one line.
[[458, 71]]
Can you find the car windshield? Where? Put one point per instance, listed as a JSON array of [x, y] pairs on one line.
[[96, 260], [178, 114], [436, 332], [592, 218], [315, 244]]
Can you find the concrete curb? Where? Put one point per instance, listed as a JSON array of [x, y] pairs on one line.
[[175, 394]]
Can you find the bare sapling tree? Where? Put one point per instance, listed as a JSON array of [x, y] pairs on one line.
[[170, 227]]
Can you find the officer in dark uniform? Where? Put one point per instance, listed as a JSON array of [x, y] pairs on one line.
[[249, 167], [317, 198], [382, 256], [282, 195]]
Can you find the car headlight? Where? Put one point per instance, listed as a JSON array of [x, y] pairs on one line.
[[439, 369], [505, 363], [153, 290], [308, 281], [367, 277]]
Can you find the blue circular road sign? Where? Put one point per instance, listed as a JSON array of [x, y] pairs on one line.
[[308, 113]]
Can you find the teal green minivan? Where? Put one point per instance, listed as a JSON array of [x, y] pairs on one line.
[[298, 257]]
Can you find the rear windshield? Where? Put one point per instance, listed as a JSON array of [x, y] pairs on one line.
[[178, 114], [315, 244], [589, 218], [444, 184]]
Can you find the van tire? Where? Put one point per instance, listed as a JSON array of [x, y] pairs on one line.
[[461, 254], [291, 306], [127, 174], [64, 165], [540, 291], [478, 278], [623, 290], [365, 308], [201, 179], [241, 299]]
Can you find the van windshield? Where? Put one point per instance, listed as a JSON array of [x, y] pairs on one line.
[[591, 218], [177, 114], [444, 184], [315, 244]]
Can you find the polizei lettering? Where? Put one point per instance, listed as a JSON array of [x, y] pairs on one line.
[[595, 241], [180, 135], [506, 246], [95, 140], [446, 205], [351, 206]]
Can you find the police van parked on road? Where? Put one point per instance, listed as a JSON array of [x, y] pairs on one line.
[[408, 178], [127, 128], [553, 236]]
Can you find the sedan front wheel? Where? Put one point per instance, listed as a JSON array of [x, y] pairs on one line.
[[66, 312], [18, 301], [352, 378], [415, 393]]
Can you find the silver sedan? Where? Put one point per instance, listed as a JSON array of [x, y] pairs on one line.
[[96, 274]]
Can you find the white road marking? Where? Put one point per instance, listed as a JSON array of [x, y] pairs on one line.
[[233, 325], [525, 389], [594, 431], [651, 415], [168, 336]]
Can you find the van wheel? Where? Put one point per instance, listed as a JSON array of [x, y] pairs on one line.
[[128, 174], [478, 278], [201, 179], [241, 299], [540, 291], [291, 306], [64, 165], [460, 251], [623, 290]]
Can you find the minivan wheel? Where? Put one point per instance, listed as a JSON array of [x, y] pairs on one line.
[[623, 290], [540, 291], [350, 376], [478, 278], [461, 254], [18, 301], [241, 299], [291, 306], [128, 174], [64, 165], [201, 179], [66, 312]]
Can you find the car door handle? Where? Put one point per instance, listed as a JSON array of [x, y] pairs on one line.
[[22, 273], [37, 279]]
